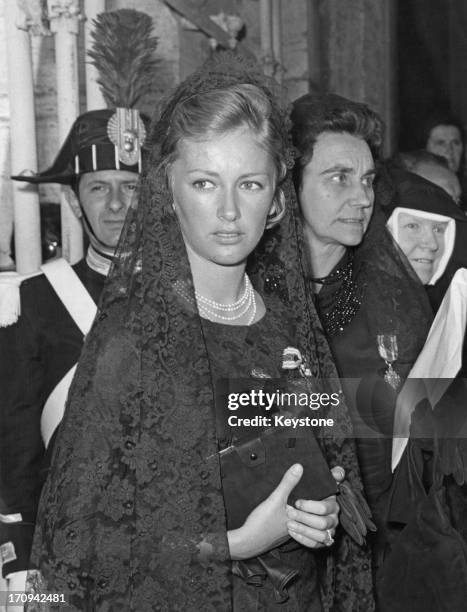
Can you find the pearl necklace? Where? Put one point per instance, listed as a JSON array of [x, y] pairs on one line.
[[209, 309], [227, 307]]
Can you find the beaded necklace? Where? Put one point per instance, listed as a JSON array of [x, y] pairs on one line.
[[339, 306]]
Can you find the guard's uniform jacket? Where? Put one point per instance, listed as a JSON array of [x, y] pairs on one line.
[[35, 353]]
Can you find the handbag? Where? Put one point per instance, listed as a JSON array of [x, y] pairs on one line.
[[255, 460], [252, 469]]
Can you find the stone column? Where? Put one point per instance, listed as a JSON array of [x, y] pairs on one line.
[[64, 16], [23, 138], [6, 196]]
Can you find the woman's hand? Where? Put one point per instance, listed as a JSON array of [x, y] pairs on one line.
[[266, 526], [313, 523]]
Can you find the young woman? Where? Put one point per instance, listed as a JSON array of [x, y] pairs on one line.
[[133, 516]]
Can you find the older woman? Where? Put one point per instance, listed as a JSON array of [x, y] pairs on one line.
[[358, 296], [336, 140], [426, 505], [368, 290], [135, 514], [434, 168], [422, 222]]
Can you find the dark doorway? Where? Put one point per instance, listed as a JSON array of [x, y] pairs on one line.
[[432, 64]]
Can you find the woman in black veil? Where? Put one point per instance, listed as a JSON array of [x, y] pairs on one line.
[[377, 316], [133, 515], [365, 289]]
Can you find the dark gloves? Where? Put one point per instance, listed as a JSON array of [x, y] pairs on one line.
[[355, 514]]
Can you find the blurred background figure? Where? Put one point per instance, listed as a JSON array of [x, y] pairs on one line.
[[445, 138], [433, 168], [443, 135]]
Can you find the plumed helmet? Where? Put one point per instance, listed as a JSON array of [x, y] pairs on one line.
[[113, 138], [98, 140]]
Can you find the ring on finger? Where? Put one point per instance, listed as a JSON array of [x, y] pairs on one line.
[[339, 472], [329, 540]]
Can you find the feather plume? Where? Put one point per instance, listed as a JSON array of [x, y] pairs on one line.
[[123, 54]]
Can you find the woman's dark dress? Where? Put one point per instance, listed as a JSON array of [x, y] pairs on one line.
[[388, 304], [384, 308], [235, 352]]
